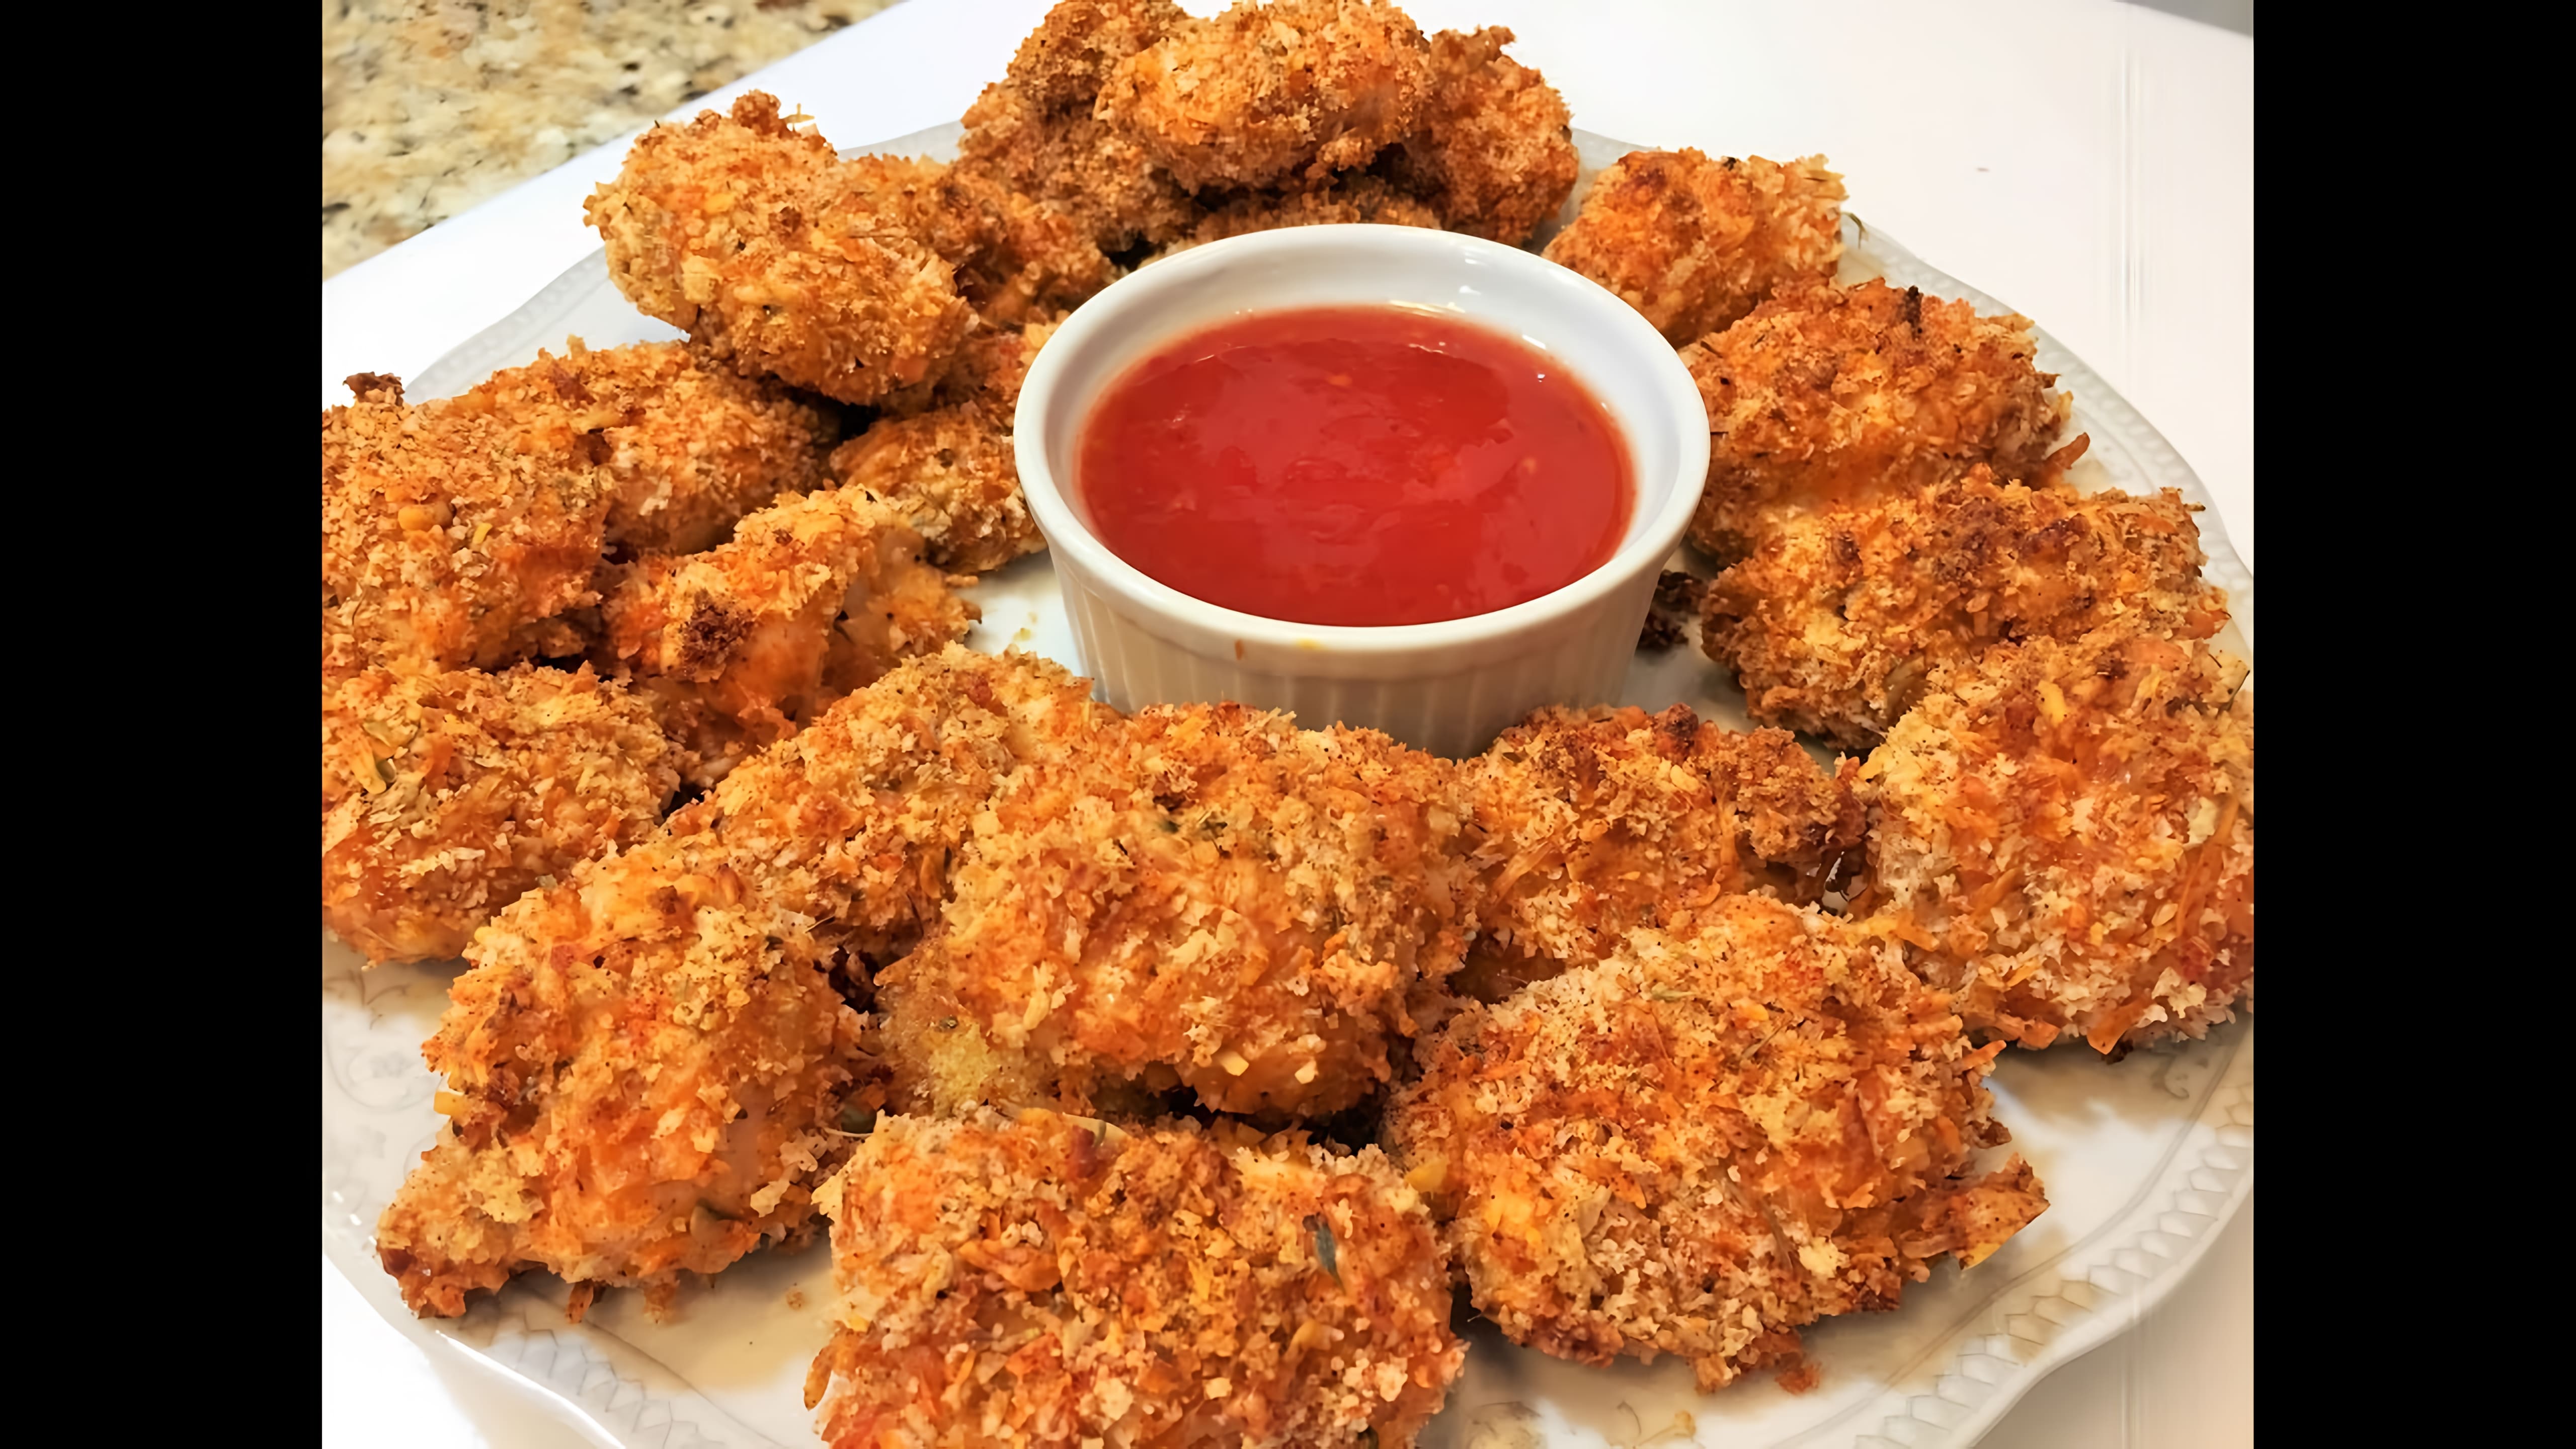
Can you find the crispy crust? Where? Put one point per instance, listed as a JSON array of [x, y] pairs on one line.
[[2062, 834], [689, 448], [611, 1026], [854, 820], [751, 236], [1825, 394], [811, 598], [448, 541], [447, 796], [1061, 64], [1706, 1141], [1033, 134], [1052, 1281], [1493, 151], [946, 463], [1352, 197], [1201, 896], [1597, 821], [1078, 164], [1266, 92], [644, 1067], [1016, 256], [1840, 617], [1694, 244]]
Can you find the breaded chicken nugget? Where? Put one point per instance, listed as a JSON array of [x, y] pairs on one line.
[[649, 1065], [1825, 394], [644, 1072], [688, 447], [446, 796], [951, 470], [749, 235], [1202, 896], [1350, 198], [2063, 835], [1052, 1281], [1693, 244], [1706, 1141], [1596, 821], [1840, 617], [1015, 256], [853, 821], [445, 542], [811, 598], [1493, 150], [1265, 92], [1032, 133], [1063, 62]]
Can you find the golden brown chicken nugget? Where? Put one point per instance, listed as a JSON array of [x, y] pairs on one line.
[[1032, 133], [1351, 198], [1827, 394], [1073, 49], [2062, 835], [1597, 821], [689, 447], [1266, 92], [646, 1073], [811, 598], [1201, 896], [1053, 1281], [855, 821], [1706, 1141], [1493, 150], [448, 795], [945, 459], [448, 541], [1016, 257], [1839, 618], [1694, 243], [748, 234]]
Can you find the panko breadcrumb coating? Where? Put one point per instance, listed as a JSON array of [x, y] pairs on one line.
[[2062, 834], [811, 598], [688, 447], [748, 234], [1597, 821], [1826, 393], [646, 1071], [1694, 243], [1356, 197], [445, 542], [1033, 133], [1015, 256], [1201, 896], [1266, 92], [951, 470], [1053, 1281], [1839, 618], [649, 1065], [1706, 1141], [1493, 150], [854, 820], [446, 796], [1079, 42]]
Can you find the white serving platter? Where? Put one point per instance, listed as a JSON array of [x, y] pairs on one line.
[[2144, 1161]]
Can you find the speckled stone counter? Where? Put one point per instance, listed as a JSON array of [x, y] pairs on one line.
[[430, 106]]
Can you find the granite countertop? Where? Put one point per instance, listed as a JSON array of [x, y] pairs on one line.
[[430, 106]]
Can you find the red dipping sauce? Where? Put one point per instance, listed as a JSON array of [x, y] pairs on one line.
[[1355, 465]]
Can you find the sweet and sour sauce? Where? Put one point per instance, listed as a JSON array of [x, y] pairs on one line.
[[1355, 465]]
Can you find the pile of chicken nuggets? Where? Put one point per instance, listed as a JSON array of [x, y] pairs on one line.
[[1162, 1079]]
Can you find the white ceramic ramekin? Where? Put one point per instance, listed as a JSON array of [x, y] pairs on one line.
[[1448, 687]]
